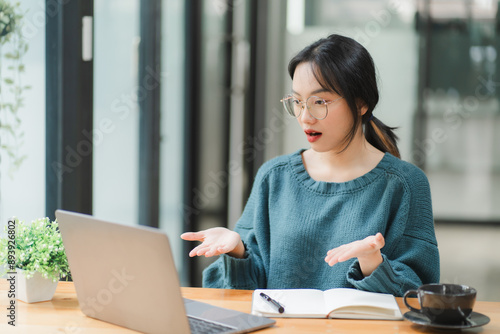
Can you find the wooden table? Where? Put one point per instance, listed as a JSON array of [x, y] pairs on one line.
[[62, 315]]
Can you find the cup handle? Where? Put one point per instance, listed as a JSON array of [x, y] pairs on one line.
[[406, 295]]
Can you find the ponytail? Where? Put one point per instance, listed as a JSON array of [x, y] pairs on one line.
[[381, 136]]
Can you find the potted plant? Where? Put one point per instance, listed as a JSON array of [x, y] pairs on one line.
[[36, 252]]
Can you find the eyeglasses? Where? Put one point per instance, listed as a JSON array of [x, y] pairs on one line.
[[318, 107]]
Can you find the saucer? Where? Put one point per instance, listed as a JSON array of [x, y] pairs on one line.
[[474, 320]]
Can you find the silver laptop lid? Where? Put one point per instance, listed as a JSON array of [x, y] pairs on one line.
[[122, 274]]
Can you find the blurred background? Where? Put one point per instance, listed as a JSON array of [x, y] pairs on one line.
[[160, 112]]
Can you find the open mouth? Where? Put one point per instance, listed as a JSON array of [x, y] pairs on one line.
[[312, 135]]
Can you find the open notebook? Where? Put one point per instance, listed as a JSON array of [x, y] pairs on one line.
[[333, 303]]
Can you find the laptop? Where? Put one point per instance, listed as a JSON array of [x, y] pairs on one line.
[[126, 275]]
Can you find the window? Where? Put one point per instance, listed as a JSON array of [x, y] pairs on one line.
[[116, 110], [22, 190]]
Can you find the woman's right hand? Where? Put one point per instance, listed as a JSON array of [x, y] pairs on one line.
[[216, 241]]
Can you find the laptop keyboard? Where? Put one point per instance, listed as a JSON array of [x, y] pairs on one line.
[[200, 326]]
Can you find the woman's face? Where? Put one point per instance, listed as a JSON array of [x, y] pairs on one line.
[[329, 133]]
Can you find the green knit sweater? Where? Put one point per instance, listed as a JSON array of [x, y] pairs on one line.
[[290, 222]]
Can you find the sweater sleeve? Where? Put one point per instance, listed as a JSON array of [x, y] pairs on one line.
[[410, 255], [253, 226]]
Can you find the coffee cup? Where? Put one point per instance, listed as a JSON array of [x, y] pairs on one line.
[[447, 304]]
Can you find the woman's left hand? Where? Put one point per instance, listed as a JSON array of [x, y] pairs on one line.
[[367, 251]]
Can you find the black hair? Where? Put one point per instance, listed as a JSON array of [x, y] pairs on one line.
[[342, 65]]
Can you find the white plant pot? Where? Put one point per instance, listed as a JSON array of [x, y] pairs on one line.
[[34, 289]]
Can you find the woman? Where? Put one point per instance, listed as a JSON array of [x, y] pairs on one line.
[[347, 212]]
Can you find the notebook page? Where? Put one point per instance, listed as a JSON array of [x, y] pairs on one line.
[[306, 302], [338, 298]]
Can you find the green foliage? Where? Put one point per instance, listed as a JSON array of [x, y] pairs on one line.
[[38, 247], [13, 47], [8, 18]]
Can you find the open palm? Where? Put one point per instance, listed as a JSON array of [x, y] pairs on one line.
[[214, 241]]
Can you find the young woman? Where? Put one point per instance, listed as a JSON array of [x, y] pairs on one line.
[[347, 212]]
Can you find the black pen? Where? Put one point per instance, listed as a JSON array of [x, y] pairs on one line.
[[275, 303]]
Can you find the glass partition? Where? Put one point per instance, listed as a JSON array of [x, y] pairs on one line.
[[22, 186], [461, 146], [171, 147], [437, 66], [116, 34]]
